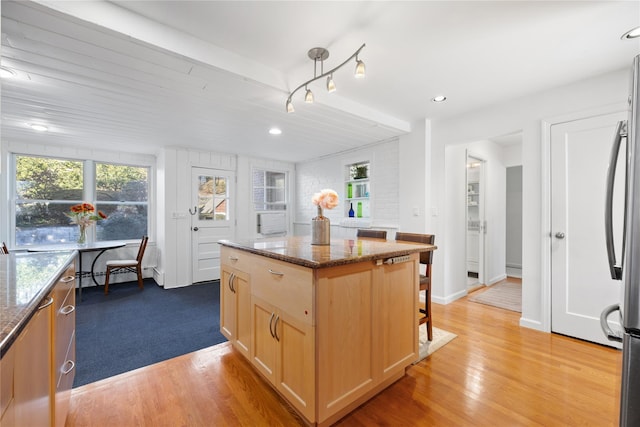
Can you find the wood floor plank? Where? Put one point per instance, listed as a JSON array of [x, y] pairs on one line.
[[494, 373]]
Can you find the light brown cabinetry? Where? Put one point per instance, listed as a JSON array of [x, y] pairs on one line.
[[330, 338], [32, 370], [235, 308], [37, 371], [64, 354]]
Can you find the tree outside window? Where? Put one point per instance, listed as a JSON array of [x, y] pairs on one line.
[[46, 188]]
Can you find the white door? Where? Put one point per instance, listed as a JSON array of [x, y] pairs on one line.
[[212, 219], [581, 286], [476, 228]]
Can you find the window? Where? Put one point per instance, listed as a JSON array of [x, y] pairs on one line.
[[269, 190], [46, 188], [122, 194]]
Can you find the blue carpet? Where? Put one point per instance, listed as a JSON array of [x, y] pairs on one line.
[[131, 328]]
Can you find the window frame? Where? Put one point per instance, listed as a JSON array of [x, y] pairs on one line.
[[88, 191], [285, 190]]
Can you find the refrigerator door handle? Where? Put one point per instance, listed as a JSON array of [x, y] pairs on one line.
[[616, 270], [604, 324]]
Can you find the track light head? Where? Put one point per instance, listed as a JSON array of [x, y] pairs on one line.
[[319, 54], [360, 69], [308, 97], [331, 86]]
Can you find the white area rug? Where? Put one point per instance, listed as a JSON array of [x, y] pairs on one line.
[[507, 295], [440, 338]]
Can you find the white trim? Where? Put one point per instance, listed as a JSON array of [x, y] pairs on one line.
[[545, 206], [450, 298]]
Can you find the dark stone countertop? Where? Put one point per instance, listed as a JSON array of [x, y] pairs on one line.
[[25, 281], [299, 250]]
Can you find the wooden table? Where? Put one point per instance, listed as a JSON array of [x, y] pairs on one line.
[[101, 247]]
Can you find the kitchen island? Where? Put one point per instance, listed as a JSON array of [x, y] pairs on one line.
[[327, 326]]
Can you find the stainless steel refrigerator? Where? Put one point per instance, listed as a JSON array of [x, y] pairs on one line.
[[627, 266]]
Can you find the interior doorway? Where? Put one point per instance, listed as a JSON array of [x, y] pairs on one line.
[[475, 221]]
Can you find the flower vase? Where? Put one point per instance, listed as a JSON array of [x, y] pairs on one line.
[[82, 238], [320, 229]]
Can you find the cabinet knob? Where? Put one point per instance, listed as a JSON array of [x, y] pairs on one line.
[[559, 235]]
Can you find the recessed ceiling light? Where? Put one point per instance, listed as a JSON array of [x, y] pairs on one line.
[[39, 128], [275, 131], [7, 73], [631, 34], [439, 98]]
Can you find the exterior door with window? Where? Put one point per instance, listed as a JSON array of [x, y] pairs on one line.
[[212, 219], [580, 282]]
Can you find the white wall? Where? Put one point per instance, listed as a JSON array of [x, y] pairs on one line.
[[514, 218], [329, 172], [454, 213], [524, 114]]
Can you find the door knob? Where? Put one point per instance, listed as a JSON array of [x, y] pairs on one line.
[[559, 235], [195, 228]]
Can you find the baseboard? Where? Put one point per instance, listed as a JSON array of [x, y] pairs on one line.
[[450, 298], [496, 279], [158, 276], [531, 324]]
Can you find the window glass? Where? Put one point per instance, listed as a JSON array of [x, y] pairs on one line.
[[122, 194], [45, 190], [269, 190]]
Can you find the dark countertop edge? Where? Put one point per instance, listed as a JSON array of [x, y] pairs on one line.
[[324, 264], [10, 335]]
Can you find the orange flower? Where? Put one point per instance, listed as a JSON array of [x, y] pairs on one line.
[[102, 215], [76, 208], [88, 207]]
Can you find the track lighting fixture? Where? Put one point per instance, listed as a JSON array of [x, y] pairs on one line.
[[319, 54]]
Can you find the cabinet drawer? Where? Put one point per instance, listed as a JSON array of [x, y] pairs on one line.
[[65, 323], [287, 286], [237, 259], [63, 287], [64, 382]]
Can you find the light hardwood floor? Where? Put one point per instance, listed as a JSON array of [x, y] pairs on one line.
[[494, 373]]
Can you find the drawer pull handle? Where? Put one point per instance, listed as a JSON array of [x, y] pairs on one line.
[[271, 325], [70, 365], [46, 304], [67, 279], [231, 279], [233, 258], [276, 273], [68, 309], [275, 329]]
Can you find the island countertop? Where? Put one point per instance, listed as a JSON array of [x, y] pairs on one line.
[[299, 250], [25, 280]]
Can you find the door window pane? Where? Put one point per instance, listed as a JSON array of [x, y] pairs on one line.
[[213, 198]]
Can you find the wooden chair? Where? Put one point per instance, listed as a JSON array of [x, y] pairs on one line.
[[376, 234], [4, 250], [131, 265], [426, 258]]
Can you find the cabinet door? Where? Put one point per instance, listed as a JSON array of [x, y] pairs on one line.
[[347, 351], [263, 343], [33, 370], [398, 327], [295, 369], [243, 311], [235, 308], [227, 305]]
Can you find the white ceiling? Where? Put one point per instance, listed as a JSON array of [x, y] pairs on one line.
[[212, 75]]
